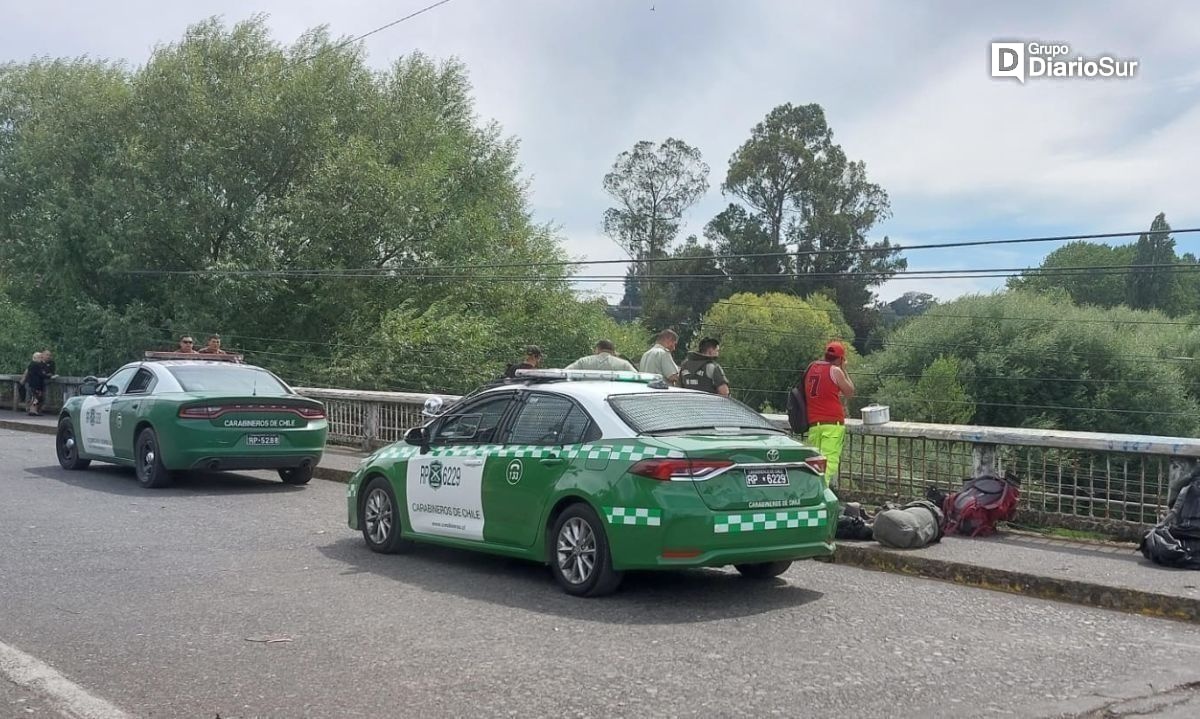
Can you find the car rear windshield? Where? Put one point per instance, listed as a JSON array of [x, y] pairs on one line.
[[249, 381], [670, 412]]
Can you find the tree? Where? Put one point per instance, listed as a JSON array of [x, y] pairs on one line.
[[736, 233], [912, 304], [768, 340], [1153, 287], [363, 197], [1030, 360], [815, 200], [654, 185], [1103, 288]]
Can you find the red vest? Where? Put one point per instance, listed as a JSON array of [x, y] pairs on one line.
[[824, 397]]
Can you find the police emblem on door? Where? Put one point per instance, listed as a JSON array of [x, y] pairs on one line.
[[514, 472]]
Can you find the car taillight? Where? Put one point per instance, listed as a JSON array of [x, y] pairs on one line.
[[202, 412], [817, 464], [312, 412], [672, 468]]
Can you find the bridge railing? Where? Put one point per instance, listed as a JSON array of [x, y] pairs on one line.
[[1108, 482]]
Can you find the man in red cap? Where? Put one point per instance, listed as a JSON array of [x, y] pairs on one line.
[[826, 384]]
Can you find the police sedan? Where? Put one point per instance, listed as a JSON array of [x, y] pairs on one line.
[[596, 473], [204, 412]]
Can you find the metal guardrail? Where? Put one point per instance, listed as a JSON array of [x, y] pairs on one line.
[[1103, 479]]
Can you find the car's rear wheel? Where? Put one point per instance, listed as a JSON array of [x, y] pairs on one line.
[[67, 446], [151, 472], [379, 518], [765, 570], [579, 554], [297, 475]]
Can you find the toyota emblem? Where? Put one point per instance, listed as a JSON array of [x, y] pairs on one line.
[[772, 455]]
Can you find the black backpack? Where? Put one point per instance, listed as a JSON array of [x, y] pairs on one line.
[[1175, 541], [797, 406]]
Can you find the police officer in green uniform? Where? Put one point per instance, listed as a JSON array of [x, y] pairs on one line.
[[701, 371]]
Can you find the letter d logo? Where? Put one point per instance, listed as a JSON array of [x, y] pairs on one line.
[[1008, 60]]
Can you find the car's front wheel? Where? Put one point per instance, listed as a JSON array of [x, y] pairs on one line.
[[379, 518], [151, 472], [67, 447], [297, 475], [765, 570], [579, 554]]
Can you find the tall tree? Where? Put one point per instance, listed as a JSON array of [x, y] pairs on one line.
[[743, 241], [1102, 288], [1153, 287], [653, 185]]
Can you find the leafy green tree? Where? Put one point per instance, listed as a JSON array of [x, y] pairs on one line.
[[735, 233], [1029, 360], [937, 396], [768, 340], [1103, 288], [228, 155], [1153, 287], [812, 198]]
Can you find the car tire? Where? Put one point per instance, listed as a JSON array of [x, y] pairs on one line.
[[67, 447], [579, 554], [296, 475], [379, 518], [765, 570], [147, 460]]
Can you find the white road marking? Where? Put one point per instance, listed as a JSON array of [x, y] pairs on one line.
[[66, 696]]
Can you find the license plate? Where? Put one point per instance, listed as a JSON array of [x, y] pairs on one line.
[[766, 478], [262, 440]]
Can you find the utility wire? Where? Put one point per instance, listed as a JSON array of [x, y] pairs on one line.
[[381, 28]]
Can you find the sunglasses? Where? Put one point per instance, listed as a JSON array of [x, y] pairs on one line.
[[188, 342]]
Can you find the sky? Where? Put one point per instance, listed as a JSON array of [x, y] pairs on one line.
[[906, 87]]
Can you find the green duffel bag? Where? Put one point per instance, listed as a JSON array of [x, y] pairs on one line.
[[914, 525]]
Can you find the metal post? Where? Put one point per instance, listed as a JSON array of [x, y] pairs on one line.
[[371, 425], [983, 459]]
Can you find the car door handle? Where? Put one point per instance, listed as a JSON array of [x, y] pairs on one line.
[[550, 461], [473, 462]]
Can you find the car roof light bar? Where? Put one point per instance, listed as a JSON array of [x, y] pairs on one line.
[[580, 375]]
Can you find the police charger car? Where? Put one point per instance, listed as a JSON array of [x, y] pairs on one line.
[[192, 411], [596, 473]]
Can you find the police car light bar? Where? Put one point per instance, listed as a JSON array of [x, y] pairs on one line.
[[195, 356], [577, 375]]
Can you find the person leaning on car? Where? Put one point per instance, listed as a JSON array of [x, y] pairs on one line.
[[826, 384], [701, 371], [605, 358]]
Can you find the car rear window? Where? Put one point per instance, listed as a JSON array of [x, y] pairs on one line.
[[248, 381], [666, 412]]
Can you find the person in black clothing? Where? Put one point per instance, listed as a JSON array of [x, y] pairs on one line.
[[701, 371], [533, 360], [35, 384]]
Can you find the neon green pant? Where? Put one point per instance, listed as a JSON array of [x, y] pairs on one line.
[[828, 440]]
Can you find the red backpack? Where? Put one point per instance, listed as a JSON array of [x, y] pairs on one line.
[[974, 510]]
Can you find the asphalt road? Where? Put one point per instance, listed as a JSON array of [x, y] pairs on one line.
[[238, 596]]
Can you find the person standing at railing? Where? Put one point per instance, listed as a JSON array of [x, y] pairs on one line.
[[34, 380], [826, 386], [605, 358]]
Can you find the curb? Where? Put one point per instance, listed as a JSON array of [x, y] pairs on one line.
[[332, 475], [18, 426], [1130, 601]]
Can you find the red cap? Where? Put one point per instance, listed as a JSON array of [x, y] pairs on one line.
[[835, 349]]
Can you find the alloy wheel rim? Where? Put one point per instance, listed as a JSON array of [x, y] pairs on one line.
[[377, 515], [576, 550], [67, 445]]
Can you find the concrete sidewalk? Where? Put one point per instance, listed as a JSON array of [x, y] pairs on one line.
[[1107, 575]]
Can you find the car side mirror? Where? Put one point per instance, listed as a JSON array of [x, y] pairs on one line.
[[419, 437], [89, 386]]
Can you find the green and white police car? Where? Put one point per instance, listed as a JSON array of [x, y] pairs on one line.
[[595, 473]]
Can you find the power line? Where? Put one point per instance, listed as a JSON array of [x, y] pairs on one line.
[[651, 260], [381, 28]]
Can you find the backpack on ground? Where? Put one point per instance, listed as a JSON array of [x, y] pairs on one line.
[[916, 524], [974, 510], [1175, 541], [853, 522]]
